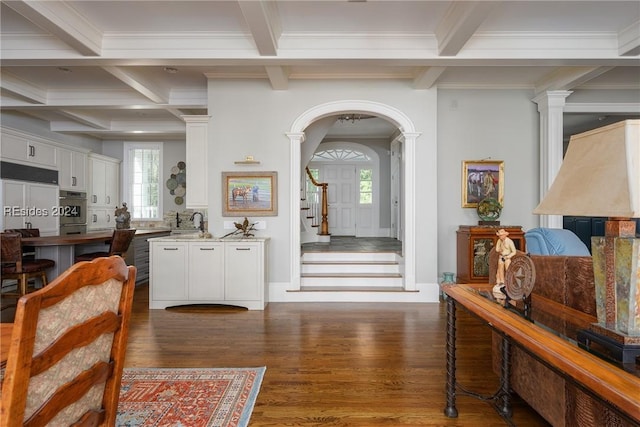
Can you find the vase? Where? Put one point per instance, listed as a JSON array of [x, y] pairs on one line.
[[447, 279]]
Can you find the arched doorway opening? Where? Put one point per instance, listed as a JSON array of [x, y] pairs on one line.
[[406, 137], [353, 173]]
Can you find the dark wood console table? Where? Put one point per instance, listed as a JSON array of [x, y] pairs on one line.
[[549, 336]]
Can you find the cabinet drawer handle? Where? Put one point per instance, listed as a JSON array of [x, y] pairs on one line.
[[169, 249], [207, 249], [32, 151], [94, 198], [74, 181], [95, 218], [108, 200], [243, 249]]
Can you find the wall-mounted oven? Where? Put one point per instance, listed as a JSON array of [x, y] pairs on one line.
[[72, 212]]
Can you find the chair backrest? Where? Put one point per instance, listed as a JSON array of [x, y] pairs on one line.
[[68, 346], [11, 249], [25, 232], [121, 240]]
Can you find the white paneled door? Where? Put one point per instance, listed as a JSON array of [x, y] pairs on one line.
[[342, 198]]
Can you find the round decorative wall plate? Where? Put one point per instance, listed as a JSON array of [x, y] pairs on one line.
[[520, 277], [177, 182]]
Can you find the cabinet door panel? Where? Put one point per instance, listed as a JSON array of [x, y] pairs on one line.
[[13, 199], [44, 198], [206, 271], [169, 265], [242, 271]]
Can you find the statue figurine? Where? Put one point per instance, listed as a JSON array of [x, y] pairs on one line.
[[506, 249], [123, 217]]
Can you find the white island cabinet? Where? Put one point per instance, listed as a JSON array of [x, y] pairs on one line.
[[187, 270]]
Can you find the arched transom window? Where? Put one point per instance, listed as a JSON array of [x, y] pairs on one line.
[[340, 154]]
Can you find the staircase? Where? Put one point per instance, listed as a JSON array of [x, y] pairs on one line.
[[351, 271]]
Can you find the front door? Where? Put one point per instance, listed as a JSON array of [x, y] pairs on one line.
[[341, 197]]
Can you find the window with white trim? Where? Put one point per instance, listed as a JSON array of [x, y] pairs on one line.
[[142, 186], [366, 186]]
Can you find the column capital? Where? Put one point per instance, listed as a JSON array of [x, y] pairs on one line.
[[551, 98]]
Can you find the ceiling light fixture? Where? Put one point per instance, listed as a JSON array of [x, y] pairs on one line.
[[171, 70], [353, 117]]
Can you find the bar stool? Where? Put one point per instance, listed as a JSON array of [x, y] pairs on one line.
[[120, 242], [14, 267]]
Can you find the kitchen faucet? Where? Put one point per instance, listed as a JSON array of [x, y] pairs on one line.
[[201, 223], [178, 220]]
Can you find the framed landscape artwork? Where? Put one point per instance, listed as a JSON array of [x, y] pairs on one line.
[[249, 194], [482, 179]]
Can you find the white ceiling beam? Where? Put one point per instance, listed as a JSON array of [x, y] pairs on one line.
[[15, 86], [86, 119], [62, 21], [261, 17], [459, 24], [138, 126], [629, 40], [145, 88], [427, 77], [568, 78], [278, 77]]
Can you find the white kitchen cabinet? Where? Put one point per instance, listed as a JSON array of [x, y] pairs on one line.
[[168, 281], [197, 161], [206, 271], [27, 151], [72, 170], [104, 191], [244, 273], [216, 271], [101, 218], [30, 205]]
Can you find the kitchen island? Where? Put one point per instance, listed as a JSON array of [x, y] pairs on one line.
[[188, 269], [63, 249]]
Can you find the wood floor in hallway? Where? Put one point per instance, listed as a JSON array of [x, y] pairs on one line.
[[331, 364]]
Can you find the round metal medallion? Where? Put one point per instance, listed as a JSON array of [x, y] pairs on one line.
[[520, 277]]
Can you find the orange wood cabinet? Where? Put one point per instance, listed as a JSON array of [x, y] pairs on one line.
[[474, 242]]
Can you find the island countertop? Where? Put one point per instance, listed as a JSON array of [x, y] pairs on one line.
[[78, 239]]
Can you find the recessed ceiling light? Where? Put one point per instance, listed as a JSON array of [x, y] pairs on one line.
[[171, 70]]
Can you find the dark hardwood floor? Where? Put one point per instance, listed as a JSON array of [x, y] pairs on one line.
[[331, 364]]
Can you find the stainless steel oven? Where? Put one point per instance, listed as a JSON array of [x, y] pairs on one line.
[[72, 212]]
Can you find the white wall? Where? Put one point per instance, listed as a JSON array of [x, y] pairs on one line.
[[250, 118], [485, 124]]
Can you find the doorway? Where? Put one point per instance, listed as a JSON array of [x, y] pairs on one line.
[[407, 135]]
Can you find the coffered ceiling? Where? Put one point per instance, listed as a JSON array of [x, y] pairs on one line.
[[129, 69]]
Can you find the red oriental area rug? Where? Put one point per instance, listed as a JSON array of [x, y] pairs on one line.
[[198, 397]]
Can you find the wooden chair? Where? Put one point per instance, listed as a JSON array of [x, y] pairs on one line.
[[28, 252], [68, 346], [15, 267], [120, 242]]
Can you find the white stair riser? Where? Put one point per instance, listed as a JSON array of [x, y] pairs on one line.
[[350, 268], [351, 281], [350, 256]]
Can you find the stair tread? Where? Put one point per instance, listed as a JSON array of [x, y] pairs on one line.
[[351, 289], [386, 275], [350, 262]]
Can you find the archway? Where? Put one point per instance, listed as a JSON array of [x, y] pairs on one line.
[[407, 135]]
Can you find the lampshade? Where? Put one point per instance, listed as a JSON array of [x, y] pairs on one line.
[[600, 174]]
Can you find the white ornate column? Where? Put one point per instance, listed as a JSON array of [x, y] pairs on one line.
[[296, 139], [408, 244], [551, 108]]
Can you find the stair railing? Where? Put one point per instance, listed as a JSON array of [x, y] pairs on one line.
[[324, 224]]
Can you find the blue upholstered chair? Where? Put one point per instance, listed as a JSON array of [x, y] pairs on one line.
[[554, 241]]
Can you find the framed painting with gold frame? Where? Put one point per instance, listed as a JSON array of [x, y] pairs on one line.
[[482, 179], [249, 193]]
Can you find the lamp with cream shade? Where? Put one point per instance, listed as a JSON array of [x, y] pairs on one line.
[[600, 176]]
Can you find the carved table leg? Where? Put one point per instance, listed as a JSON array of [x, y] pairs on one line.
[[450, 410], [505, 375]]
